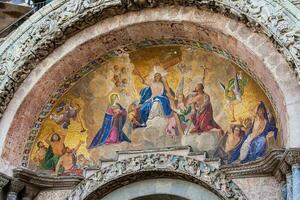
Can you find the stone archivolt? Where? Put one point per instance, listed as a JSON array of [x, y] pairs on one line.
[[54, 24], [110, 178]]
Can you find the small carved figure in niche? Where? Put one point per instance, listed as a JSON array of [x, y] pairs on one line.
[[66, 164], [229, 142]]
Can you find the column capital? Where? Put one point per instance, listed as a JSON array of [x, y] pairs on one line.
[[293, 157], [16, 186], [4, 180], [290, 158], [30, 192]]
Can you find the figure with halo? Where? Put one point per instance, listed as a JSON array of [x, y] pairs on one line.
[[154, 101], [114, 120]]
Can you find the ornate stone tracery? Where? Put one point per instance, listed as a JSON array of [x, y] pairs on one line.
[[151, 165], [51, 26]]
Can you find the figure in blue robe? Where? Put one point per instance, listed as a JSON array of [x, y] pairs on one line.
[[111, 131], [146, 103], [257, 147]]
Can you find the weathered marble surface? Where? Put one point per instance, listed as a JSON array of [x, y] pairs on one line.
[[53, 195], [296, 181], [266, 188], [289, 187]]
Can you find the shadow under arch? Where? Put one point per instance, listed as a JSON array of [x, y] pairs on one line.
[[151, 166]]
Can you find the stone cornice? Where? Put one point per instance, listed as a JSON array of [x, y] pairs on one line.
[[263, 167], [45, 182], [151, 165], [55, 23]]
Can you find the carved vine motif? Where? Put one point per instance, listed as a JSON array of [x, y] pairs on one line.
[[45, 33], [199, 170]]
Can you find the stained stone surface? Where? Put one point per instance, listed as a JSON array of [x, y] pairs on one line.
[[296, 181], [53, 195], [258, 188]]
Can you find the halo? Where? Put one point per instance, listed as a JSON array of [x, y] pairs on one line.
[[157, 69], [111, 95]]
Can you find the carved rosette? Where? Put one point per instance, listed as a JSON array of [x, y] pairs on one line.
[[20, 53], [199, 170]]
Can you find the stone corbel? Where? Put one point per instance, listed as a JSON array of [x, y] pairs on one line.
[[290, 158], [293, 157]]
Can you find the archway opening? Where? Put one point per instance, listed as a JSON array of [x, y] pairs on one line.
[[160, 197]]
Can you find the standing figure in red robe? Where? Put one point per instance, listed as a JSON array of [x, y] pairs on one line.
[[202, 116]]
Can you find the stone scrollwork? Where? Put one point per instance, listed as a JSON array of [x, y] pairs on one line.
[[54, 24], [204, 174]]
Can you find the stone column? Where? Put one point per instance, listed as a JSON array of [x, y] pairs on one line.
[[30, 192], [283, 191], [3, 182], [15, 187], [293, 159], [296, 181], [289, 186]]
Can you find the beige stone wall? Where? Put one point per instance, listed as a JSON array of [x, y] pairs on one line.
[[258, 188], [53, 195]]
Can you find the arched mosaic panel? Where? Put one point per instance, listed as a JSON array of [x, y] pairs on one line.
[[154, 97]]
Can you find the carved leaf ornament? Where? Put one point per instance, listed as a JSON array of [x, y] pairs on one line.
[[199, 170]]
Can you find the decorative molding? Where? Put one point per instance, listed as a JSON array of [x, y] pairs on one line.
[[155, 165], [41, 181], [55, 23], [263, 167], [289, 158]]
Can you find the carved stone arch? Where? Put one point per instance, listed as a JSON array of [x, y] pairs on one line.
[[150, 166], [51, 26]]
